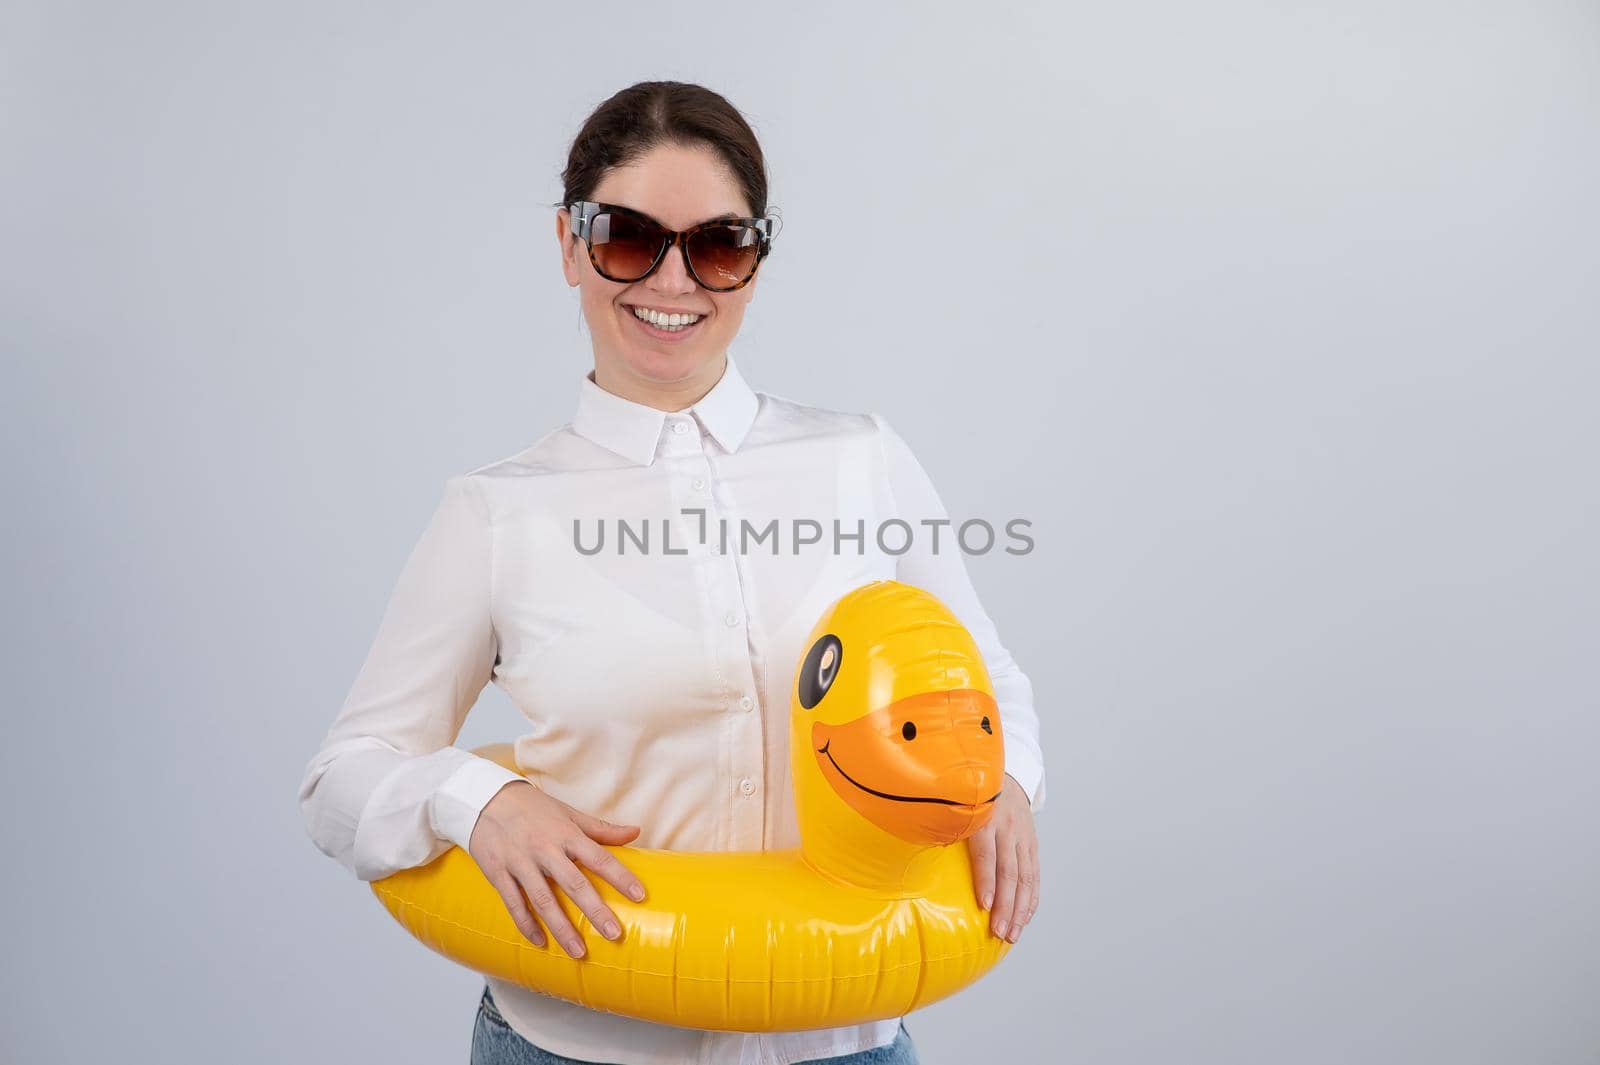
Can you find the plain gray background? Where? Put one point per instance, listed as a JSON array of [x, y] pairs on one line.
[[1278, 320]]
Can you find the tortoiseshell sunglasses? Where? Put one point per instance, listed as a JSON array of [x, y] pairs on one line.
[[627, 245]]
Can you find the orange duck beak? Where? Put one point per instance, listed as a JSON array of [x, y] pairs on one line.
[[926, 769]]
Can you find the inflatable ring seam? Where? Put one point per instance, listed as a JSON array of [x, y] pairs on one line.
[[726, 979]]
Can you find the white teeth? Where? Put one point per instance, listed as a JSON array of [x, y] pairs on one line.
[[670, 322]]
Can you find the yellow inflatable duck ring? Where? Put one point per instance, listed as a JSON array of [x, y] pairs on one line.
[[897, 756]]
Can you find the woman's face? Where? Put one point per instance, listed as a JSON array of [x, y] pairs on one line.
[[678, 187]]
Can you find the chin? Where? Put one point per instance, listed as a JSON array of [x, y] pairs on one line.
[[666, 366]]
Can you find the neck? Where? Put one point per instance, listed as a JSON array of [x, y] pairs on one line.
[[846, 849], [842, 845]]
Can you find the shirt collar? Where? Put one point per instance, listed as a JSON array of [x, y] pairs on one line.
[[632, 429]]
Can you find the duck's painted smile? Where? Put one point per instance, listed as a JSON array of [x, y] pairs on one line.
[[935, 758], [897, 798]]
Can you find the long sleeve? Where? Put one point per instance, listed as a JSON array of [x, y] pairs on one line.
[[386, 790], [944, 573]]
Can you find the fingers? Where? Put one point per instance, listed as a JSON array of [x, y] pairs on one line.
[[1005, 891], [545, 904], [511, 893], [604, 831], [581, 891], [981, 846], [1027, 888], [608, 866]]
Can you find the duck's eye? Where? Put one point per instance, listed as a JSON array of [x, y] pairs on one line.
[[984, 724], [819, 669], [908, 730]]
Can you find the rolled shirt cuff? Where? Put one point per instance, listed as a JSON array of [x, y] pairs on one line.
[[463, 795], [1028, 770]]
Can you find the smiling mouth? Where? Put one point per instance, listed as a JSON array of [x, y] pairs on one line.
[[897, 798], [665, 330]]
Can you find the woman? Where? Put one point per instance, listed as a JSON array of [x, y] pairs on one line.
[[654, 672]]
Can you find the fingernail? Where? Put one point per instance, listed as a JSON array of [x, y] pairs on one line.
[[613, 930], [636, 893], [1000, 929], [576, 950], [988, 900]]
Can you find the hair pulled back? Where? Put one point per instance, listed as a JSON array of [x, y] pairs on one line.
[[649, 114]]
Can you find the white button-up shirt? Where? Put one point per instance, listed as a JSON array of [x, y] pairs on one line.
[[622, 582]]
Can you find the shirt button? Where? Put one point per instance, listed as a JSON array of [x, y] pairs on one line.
[[747, 703], [679, 428], [698, 483], [747, 786], [731, 620]]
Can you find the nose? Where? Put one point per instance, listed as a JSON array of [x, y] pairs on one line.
[[672, 276]]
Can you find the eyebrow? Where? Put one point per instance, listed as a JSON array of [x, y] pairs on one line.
[[723, 217]]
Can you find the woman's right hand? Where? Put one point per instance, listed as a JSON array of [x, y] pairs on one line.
[[523, 835]]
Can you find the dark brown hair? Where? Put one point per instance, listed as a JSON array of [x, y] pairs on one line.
[[649, 114]]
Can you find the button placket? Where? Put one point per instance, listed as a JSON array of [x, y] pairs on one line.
[[690, 477], [700, 498], [751, 729]]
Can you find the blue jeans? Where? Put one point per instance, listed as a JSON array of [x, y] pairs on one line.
[[495, 1043]]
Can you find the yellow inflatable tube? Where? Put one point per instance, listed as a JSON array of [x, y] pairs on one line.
[[896, 751]]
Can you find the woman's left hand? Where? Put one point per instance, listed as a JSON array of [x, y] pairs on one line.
[[1005, 862]]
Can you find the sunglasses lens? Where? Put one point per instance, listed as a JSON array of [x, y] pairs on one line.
[[623, 246], [724, 256]]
